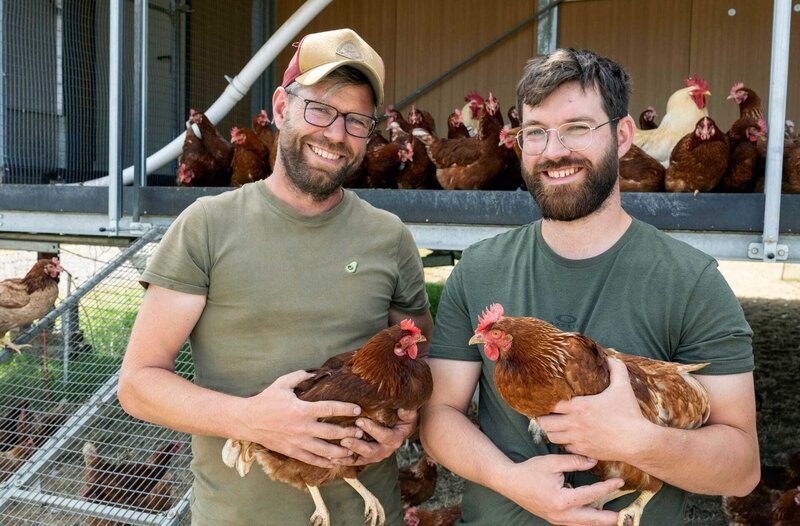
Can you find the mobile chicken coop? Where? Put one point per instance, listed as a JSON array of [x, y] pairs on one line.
[[90, 88]]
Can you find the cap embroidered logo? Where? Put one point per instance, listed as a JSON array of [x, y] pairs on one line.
[[348, 49]]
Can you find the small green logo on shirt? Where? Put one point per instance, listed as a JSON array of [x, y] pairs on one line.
[[351, 267]]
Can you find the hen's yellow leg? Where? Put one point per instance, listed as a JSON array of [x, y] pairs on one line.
[[8, 344], [632, 515], [602, 501], [373, 510], [321, 516]]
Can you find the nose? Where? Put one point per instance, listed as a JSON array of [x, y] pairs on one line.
[[554, 149], [336, 131]]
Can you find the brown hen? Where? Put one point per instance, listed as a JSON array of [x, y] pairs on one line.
[[539, 365], [746, 165], [748, 101], [418, 482], [142, 485], [383, 376], [699, 160], [436, 517], [638, 172], [250, 158], [23, 300]]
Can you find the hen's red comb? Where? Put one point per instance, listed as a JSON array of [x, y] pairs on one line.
[[55, 261], [736, 87], [234, 132], [697, 82], [490, 315], [408, 325], [474, 96]]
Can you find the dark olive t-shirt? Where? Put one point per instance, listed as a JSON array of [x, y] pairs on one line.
[[284, 292], [649, 295]]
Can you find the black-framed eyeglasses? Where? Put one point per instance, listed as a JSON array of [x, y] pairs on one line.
[[575, 136], [323, 115]]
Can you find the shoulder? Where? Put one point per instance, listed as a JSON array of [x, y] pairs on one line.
[[501, 247], [364, 211], [663, 249]]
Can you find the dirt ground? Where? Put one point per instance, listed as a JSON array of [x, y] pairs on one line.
[[770, 297]]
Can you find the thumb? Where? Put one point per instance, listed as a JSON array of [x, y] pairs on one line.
[[291, 380], [618, 372]]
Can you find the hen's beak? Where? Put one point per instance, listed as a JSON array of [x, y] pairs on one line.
[[476, 339], [707, 93], [729, 97], [420, 338]]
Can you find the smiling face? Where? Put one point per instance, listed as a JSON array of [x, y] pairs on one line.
[[317, 160], [571, 185]]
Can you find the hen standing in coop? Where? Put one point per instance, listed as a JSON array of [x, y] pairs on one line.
[[589, 267], [142, 485], [23, 300], [748, 101], [684, 108], [746, 165], [270, 280], [647, 119], [699, 160], [250, 159]]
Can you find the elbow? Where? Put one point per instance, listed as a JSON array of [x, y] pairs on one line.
[[126, 393], [750, 482]]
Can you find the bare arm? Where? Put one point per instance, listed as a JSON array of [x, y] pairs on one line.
[[536, 484], [150, 389], [388, 440], [720, 458]]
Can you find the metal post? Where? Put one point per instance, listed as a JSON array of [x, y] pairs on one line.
[[547, 28], [257, 39], [114, 115], [779, 76], [3, 97], [139, 104], [60, 115]]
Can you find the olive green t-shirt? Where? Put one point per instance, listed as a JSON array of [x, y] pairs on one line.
[[284, 292], [649, 295]]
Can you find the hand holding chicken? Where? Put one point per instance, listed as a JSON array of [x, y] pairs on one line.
[[386, 381]]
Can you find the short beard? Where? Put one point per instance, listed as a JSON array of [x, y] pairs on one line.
[[319, 186], [566, 202]]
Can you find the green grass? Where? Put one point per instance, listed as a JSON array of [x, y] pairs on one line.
[[434, 294]]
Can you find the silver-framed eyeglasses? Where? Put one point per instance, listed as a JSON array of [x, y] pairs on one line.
[[323, 115], [575, 136]]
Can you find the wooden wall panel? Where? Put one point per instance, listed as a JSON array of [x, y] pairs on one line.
[[433, 36], [649, 38], [420, 39], [728, 49]]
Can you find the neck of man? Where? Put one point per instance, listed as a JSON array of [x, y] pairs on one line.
[[302, 203], [589, 236]]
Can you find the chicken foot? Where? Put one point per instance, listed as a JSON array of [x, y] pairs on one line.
[[632, 515], [238, 454], [8, 344], [373, 510], [321, 516]]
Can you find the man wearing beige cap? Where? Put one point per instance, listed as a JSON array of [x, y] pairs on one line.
[[274, 278]]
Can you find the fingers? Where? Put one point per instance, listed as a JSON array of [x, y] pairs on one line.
[[585, 495], [291, 380], [329, 409], [565, 463], [618, 371]]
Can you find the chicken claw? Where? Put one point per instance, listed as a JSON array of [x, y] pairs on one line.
[[321, 516], [8, 344], [231, 451], [632, 515], [373, 510]]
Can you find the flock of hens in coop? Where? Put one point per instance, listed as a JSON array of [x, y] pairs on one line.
[[685, 152]]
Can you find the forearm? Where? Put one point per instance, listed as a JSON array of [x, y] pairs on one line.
[[162, 397], [456, 443], [724, 460]]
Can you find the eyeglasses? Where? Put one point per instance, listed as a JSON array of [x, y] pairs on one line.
[[323, 115], [575, 136]]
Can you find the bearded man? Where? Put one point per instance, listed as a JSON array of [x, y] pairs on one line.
[[269, 280], [587, 266]]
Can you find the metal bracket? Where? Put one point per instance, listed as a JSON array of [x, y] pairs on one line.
[[773, 252], [140, 228]]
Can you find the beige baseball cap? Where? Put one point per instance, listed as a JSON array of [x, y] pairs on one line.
[[318, 54]]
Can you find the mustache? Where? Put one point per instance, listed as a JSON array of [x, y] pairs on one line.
[[547, 166]]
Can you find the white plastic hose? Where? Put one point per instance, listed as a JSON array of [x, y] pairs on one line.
[[237, 87]]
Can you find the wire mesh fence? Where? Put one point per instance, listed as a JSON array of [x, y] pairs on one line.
[[54, 55], [68, 453]]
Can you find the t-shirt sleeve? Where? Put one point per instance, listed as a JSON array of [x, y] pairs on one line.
[[714, 328], [182, 260], [453, 326], [410, 294]]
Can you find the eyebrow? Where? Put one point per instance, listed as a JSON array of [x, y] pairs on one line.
[[578, 118]]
